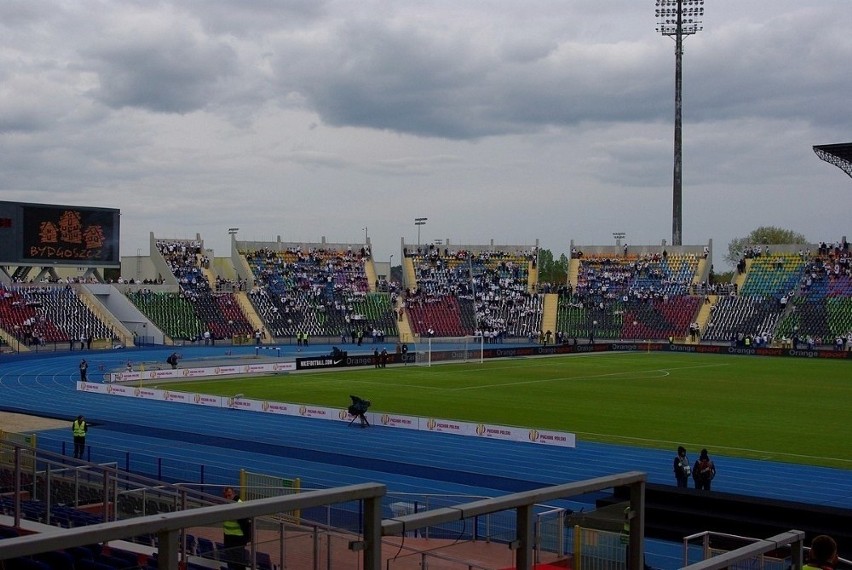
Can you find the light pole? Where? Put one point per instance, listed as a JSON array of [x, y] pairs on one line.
[[678, 18], [233, 233], [365, 235], [390, 268], [419, 222]]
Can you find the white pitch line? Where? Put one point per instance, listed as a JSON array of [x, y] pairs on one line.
[[766, 455], [663, 372]]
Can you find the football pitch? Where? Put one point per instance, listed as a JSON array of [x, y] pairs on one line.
[[784, 409]]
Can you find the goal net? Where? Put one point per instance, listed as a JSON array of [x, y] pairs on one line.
[[449, 349]]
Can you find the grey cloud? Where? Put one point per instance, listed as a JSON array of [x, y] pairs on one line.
[[442, 85], [170, 72], [404, 78], [249, 19]]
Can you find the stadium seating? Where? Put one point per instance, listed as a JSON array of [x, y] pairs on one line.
[[630, 297], [463, 293], [789, 296], [171, 312], [215, 312], [39, 314], [733, 317], [321, 292], [773, 276]]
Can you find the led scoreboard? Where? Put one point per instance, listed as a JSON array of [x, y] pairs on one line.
[[41, 234]]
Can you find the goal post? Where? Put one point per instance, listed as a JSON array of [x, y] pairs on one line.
[[443, 350]]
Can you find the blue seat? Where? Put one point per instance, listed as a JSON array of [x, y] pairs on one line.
[[264, 561], [28, 564], [85, 564], [58, 560], [205, 548], [130, 559], [115, 561]]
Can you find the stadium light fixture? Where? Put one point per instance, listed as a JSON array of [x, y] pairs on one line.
[[419, 222], [676, 19]]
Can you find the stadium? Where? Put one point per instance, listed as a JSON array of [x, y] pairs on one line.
[[513, 423]]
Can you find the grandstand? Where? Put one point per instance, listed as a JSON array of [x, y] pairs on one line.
[[335, 291], [282, 291], [463, 290], [632, 293], [318, 289]]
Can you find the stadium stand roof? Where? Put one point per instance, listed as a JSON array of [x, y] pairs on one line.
[[840, 155]]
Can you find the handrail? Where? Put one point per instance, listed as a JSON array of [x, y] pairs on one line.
[[793, 538], [523, 504], [167, 525]]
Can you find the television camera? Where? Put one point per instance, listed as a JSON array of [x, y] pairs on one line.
[[357, 409]]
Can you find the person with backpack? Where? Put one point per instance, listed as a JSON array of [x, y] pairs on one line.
[[704, 471], [682, 468]]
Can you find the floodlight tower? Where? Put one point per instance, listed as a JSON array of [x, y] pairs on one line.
[[678, 18], [419, 222]]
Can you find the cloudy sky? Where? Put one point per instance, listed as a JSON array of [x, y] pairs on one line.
[[503, 120]]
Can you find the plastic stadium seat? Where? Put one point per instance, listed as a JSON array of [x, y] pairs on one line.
[[28, 564], [205, 547], [58, 560], [86, 564]]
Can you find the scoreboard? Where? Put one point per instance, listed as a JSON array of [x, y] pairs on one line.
[[42, 234]]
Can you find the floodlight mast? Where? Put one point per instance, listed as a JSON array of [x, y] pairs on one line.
[[419, 222], [678, 18]]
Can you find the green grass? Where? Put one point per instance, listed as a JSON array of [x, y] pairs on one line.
[[771, 408]]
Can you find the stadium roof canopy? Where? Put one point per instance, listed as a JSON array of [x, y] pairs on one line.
[[840, 155]]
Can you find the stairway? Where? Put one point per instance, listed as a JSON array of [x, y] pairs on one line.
[[532, 279], [704, 315], [573, 272], [12, 342], [404, 325], [410, 275], [739, 280], [548, 313], [253, 318], [370, 270], [102, 313]]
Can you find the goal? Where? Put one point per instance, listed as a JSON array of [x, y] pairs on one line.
[[449, 349]]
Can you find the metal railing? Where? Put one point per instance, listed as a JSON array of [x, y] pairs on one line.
[[168, 527], [523, 537], [752, 555]]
